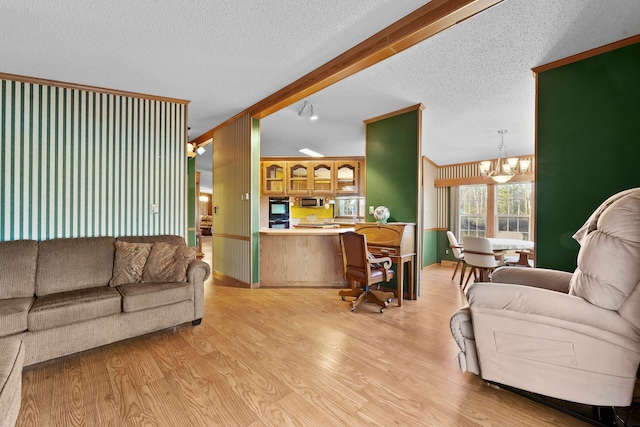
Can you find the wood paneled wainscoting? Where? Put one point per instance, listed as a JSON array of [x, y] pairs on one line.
[[283, 357]]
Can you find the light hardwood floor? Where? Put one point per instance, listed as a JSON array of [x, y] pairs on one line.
[[283, 357]]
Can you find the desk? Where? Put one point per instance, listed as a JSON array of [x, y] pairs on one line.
[[397, 241], [499, 244]]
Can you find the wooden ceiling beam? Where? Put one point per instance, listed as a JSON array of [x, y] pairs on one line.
[[414, 28]]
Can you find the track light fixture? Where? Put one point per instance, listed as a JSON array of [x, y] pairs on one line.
[[307, 111]]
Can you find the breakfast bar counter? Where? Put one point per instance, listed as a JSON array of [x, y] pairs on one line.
[[307, 257]]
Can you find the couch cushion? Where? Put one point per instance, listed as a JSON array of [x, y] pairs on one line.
[[18, 268], [141, 296], [129, 262], [13, 315], [168, 263], [65, 308], [11, 363], [70, 264]]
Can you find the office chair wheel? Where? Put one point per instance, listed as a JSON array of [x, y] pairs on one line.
[[343, 298], [353, 309], [388, 300], [381, 310]]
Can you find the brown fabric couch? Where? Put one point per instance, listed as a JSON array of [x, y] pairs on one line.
[[55, 296], [11, 361]]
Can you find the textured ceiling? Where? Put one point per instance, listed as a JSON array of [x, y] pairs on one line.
[[225, 55]]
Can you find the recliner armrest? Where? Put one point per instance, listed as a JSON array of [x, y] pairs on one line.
[[554, 280], [544, 306]]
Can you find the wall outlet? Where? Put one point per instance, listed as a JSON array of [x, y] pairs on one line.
[[446, 251], [371, 208], [154, 208]]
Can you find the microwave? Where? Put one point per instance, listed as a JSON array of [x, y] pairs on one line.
[[312, 202]]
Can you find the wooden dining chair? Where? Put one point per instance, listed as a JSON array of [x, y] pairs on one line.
[[510, 256], [360, 267], [457, 251], [479, 255]]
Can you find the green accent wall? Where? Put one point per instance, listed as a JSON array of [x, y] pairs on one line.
[[77, 163], [588, 146], [255, 200], [393, 164], [191, 201], [430, 247]]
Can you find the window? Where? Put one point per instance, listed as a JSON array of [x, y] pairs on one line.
[[513, 208], [473, 210]]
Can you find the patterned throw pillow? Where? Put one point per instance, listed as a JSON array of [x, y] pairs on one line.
[[168, 263], [129, 262]]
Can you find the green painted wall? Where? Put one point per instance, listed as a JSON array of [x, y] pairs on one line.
[[392, 162], [430, 247], [588, 146], [393, 172], [191, 201], [255, 200]]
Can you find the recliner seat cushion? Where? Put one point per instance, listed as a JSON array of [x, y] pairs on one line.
[[13, 315], [65, 308], [141, 296]]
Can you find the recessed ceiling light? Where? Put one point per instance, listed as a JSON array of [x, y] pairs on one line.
[[311, 153]]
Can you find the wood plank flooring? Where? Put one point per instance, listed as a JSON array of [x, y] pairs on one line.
[[283, 357]]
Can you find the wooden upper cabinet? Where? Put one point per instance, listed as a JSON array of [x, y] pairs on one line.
[[322, 181], [346, 177], [274, 178], [298, 178]]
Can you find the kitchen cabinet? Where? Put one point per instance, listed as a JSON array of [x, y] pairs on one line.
[[296, 177], [321, 174], [273, 178], [346, 177]]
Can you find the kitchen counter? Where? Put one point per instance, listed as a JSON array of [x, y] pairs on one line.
[[300, 231], [301, 257]]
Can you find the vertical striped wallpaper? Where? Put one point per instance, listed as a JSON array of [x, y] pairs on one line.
[[232, 175], [472, 169], [462, 170], [76, 163]]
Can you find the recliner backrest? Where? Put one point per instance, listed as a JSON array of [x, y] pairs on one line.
[[608, 272]]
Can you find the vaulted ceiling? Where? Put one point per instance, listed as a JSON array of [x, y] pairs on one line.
[[225, 55]]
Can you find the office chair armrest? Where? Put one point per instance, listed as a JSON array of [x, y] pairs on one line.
[[384, 262]]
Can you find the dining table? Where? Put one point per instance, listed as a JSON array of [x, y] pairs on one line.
[[524, 248]]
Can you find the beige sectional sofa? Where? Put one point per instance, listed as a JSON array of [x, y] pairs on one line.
[[62, 296]]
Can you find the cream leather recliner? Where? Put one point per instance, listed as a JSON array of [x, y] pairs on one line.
[[575, 336]]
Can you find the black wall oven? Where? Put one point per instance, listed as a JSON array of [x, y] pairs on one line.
[[278, 212]]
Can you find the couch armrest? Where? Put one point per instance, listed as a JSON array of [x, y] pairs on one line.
[[554, 280], [197, 272], [543, 306]]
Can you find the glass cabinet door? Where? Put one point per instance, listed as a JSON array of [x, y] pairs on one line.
[[322, 182], [347, 178], [273, 181], [298, 179]]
